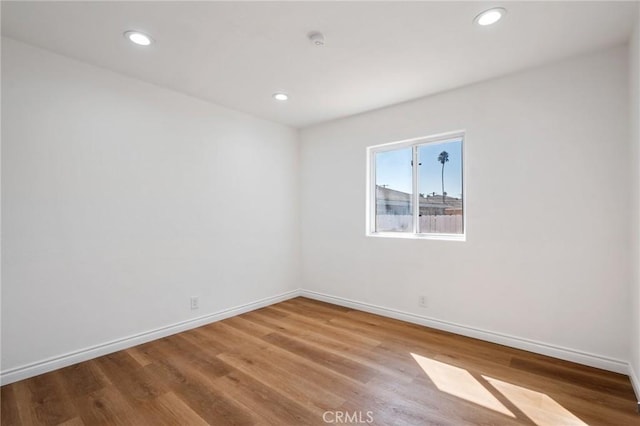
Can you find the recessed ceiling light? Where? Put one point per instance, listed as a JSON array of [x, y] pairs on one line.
[[280, 96], [490, 17], [138, 38]]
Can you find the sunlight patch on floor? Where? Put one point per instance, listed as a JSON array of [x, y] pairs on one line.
[[460, 383], [540, 408]]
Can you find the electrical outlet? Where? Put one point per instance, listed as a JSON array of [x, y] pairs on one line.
[[195, 302], [422, 301]]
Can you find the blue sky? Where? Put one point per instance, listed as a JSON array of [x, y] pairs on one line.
[[393, 168]]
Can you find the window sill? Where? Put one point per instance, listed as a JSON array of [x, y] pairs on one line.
[[411, 236]]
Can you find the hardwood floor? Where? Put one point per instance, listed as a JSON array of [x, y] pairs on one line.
[[303, 362]]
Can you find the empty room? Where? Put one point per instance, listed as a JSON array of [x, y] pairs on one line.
[[320, 213]]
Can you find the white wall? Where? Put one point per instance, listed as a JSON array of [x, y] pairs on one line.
[[634, 55], [546, 255], [121, 200]]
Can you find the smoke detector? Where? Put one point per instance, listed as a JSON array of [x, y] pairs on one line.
[[317, 38]]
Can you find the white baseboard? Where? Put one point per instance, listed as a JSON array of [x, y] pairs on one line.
[[54, 363], [635, 382], [579, 357]]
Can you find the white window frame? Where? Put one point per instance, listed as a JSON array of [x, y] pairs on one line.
[[371, 187]]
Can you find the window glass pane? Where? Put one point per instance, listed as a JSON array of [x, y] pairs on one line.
[[394, 212], [440, 188]]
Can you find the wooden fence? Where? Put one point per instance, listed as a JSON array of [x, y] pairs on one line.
[[443, 224]]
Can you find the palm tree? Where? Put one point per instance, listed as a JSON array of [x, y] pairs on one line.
[[443, 158]]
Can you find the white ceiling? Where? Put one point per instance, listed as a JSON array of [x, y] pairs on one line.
[[237, 54]]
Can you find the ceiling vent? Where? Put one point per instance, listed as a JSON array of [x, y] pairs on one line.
[[316, 38]]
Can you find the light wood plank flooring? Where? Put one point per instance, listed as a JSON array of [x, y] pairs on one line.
[[303, 362]]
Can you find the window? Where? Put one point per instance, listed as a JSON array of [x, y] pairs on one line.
[[416, 188]]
